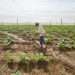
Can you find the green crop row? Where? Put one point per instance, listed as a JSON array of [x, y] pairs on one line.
[[23, 57]]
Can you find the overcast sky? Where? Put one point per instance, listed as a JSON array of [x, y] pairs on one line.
[[37, 10]]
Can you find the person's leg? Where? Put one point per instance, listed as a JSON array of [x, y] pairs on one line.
[[42, 46]]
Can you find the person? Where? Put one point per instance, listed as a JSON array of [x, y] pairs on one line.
[[37, 24], [42, 43]]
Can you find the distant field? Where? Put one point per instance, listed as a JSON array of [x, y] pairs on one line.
[[48, 28], [60, 28], [64, 30], [12, 28]]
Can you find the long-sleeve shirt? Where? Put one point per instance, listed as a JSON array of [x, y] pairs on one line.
[[41, 30]]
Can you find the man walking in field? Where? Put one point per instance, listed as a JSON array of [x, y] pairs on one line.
[[41, 32]]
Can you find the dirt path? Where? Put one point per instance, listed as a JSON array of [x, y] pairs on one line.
[[13, 36]]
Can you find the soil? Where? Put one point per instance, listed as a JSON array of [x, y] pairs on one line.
[[55, 67]]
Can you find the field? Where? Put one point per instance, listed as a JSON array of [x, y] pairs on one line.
[[20, 54]]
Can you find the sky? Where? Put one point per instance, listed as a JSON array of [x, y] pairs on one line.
[[37, 11]]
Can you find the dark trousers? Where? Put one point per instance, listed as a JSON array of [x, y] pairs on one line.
[[42, 42]]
